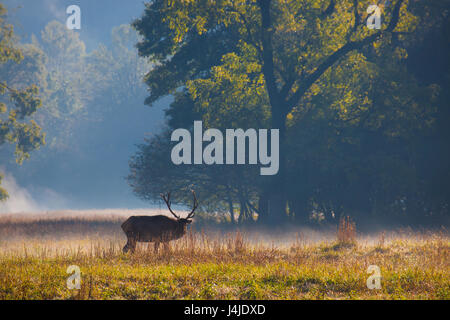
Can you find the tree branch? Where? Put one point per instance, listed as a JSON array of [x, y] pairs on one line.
[[395, 16], [267, 52], [8, 88], [349, 46], [356, 14], [330, 9], [252, 206]]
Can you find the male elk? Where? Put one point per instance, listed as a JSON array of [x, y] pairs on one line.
[[156, 229]]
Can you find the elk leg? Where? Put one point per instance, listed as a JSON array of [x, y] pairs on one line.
[[127, 246], [156, 247], [166, 246], [131, 244]]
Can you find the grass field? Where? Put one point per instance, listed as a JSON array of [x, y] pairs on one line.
[[35, 252]]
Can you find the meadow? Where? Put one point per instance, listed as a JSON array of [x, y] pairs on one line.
[[216, 263]]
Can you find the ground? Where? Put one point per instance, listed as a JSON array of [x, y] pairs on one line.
[[35, 252]]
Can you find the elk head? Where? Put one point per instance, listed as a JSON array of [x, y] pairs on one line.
[[183, 221]]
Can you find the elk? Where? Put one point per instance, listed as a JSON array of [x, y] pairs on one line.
[[158, 228]]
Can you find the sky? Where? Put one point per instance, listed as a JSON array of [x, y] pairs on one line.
[[97, 16]]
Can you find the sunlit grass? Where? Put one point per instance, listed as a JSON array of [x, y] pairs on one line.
[[216, 265]]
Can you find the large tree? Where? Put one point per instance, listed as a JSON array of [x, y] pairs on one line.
[[295, 43]]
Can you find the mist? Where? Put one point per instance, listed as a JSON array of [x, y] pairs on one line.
[[19, 199]]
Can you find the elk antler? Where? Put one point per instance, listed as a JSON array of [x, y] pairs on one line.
[[191, 215], [167, 201]]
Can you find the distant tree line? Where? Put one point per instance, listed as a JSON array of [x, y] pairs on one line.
[[80, 99], [363, 114]]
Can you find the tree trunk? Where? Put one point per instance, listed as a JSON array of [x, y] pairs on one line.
[[300, 209], [243, 211], [263, 207], [231, 209], [277, 187]]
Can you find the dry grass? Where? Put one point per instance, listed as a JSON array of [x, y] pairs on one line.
[[346, 232], [212, 264]]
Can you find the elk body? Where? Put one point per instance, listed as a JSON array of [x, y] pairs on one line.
[[157, 229]]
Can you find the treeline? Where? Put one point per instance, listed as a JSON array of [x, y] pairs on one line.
[[91, 111], [363, 114], [76, 86]]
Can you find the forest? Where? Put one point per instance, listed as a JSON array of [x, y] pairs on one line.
[[91, 113], [362, 113]]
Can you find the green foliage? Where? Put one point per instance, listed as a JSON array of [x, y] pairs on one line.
[[350, 110], [3, 192], [117, 70], [8, 50], [65, 95], [26, 136], [234, 96]]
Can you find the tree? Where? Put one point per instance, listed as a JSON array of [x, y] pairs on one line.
[[117, 71], [67, 94], [295, 43], [14, 128], [92, 110]]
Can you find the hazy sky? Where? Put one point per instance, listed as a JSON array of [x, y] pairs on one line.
[[97, 16]]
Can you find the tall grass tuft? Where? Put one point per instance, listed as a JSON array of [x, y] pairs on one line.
[[346, 231]]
